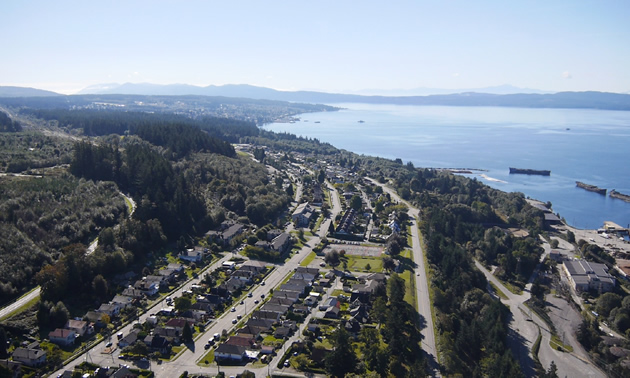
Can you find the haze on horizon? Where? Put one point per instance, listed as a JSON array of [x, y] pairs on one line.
[[331, 46]]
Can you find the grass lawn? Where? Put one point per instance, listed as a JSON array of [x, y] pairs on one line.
[[336, 292], [359, 263], [207, 359], [270, 340], [410, 287], [309, 259], [324, 343], [318, 223]]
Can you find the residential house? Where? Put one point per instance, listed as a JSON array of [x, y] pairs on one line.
[[330, 302], [232, 232], [234, 284], [292, 295], [111, 309], [169, 274], [281, 243], [244, 341], [179, 323], [264, 324], [332, 313], [96, 318], [282, 332], [281, 302], [133, 293], [129, 339], [169, 333], [302, 215], [195, 255], [149, 288], [123, 301], [300, 289], [230, 352], [157, 343], [123, 372], [243, 275], [275, 316], [253, 330], [177, 267], [281, 309], [308, 277], [80, 327], [253, 266], [30, 356], [63, 337]]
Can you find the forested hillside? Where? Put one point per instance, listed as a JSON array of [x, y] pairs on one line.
[[40, 216], [183, 174], [7, 124]]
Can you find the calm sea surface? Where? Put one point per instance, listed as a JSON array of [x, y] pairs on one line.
[[592, 146]]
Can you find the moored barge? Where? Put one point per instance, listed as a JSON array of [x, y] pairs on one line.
[[540, 172], [591, 188]]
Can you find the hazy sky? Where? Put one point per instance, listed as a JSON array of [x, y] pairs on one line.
[[341, 46]]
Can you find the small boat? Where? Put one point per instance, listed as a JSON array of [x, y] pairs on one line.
[[361, 121]]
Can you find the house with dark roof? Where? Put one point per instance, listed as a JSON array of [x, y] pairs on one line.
[[30, 356], [149, 288], [304, 269], [253, 266], [133, 293], [281, 309], [230, 352], [123, 372], [129, 339], [282, 332], [157, 343], [302, 215], [123, 301], [264, 324], [275, 316], [585, 275], [292, 295]]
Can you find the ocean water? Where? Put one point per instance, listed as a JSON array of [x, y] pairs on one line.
[[592, 146]]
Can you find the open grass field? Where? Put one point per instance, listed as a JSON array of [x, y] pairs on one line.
[[356, 250]]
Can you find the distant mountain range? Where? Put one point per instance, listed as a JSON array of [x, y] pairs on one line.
[[25, 92], [245, 90], [587, 100], [597, 100]]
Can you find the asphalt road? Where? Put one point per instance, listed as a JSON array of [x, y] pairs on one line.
[[20, 302], [422, 284], [190, 356]]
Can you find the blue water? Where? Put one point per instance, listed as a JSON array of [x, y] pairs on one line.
[[575, 144]]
